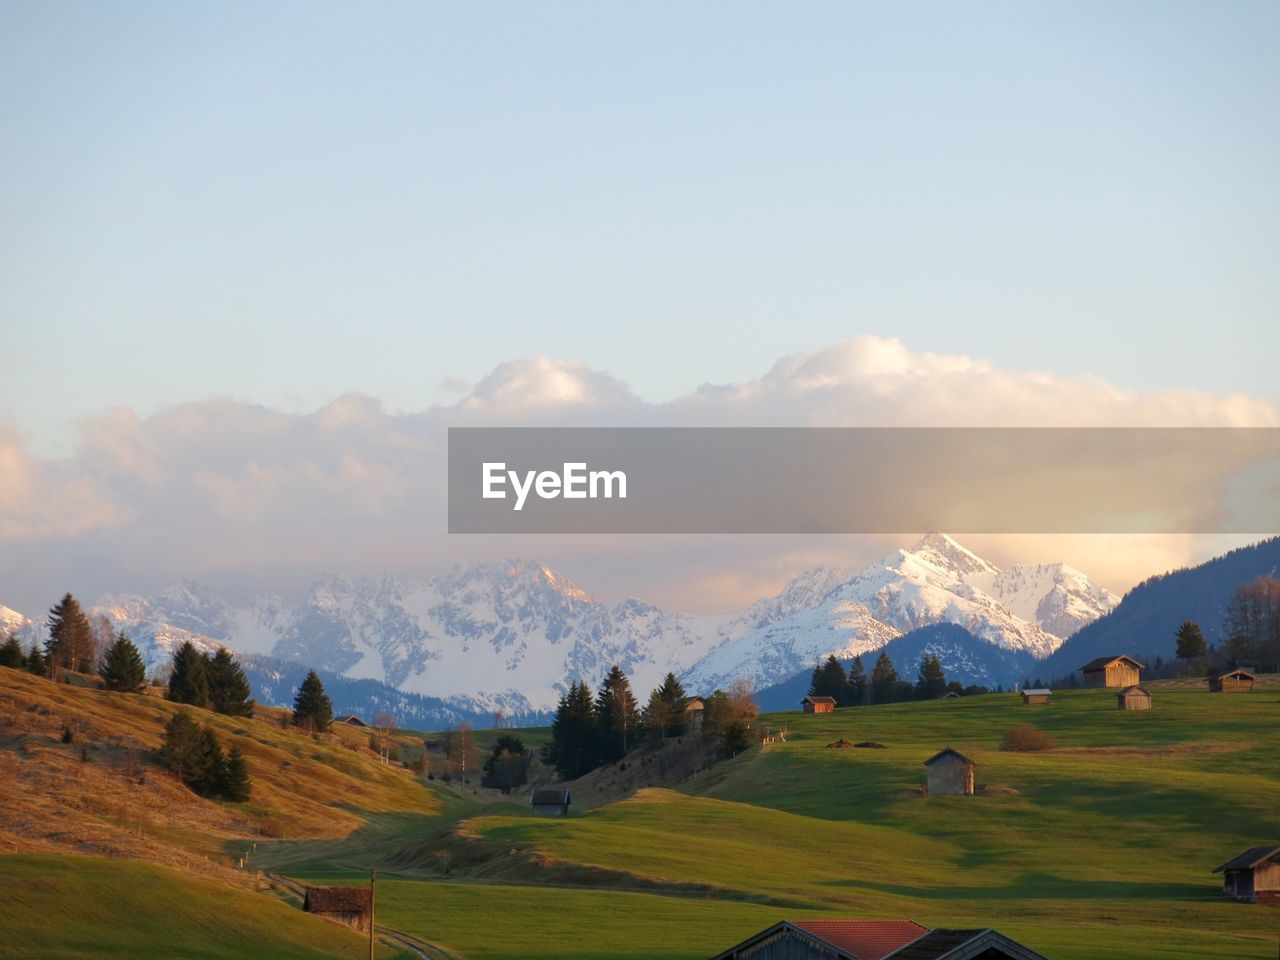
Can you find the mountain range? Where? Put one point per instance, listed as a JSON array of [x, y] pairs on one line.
[[510, 635]]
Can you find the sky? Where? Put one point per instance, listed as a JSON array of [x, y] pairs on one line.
[[407, 211]]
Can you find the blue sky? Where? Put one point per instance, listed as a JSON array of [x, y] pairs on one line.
[[285, 202]]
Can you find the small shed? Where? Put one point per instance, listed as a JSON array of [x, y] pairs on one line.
[[350, 720], [1133, 698], [1232, 681], [550, 803], [693, 711], [1254, 876], [818, 704], [345, 905], [1119, 672], [1037, 695], [948, 773]]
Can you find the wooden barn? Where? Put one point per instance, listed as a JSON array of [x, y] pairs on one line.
[[350, 720], [693, 712], [550, 803], [347, 905], [1118, 672], [1133, 698], [1254, 876], [1233, 681], [948, 773], [818, 704], [874, 940], [1036, 696]]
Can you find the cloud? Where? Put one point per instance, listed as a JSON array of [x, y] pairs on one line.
[[257, 499]]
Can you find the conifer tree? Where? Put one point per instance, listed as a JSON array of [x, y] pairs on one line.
[[884, 679], [178, 748], [931, 682], [189, 681], [36, 662], [70, 643], [859, 693], [228, 688], [11, 654], [1190, 641], [673, 697], [829, 680], [312, 709], [572, 748], [122, 668], [236, 785], [617, 716]]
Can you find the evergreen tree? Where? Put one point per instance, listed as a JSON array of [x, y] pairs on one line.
[[932, 682], [717, 712], [311, 707], [884, 680], [189, 680], [122, 668], [617, 716], [673, 698], [228, 688], [735, 738], [1191, 643], [573, 735], [236, 785], [859, 693], [829, 680], [179, 747], [70, 643], [36, 662], [11, 654], [508, 765]]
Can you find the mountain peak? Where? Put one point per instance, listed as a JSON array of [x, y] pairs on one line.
[[946, 553]]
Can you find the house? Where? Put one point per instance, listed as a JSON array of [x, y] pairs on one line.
[[1118, 672], [1133, 698], [1232, 681], [693, 708], [550, 803], [1254, 876], [948, 773], [874, 940], [348, 905], [818, 704], [1036, 696], [350, 720]]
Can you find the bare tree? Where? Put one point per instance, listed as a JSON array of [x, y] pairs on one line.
[[384, 725], [742, 699], [102, 634], [1253, 624], [463, 758]]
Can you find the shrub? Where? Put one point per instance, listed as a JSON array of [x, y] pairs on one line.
[[1025, 738]]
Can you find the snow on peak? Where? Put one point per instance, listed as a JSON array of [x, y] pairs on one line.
[[11, 620]]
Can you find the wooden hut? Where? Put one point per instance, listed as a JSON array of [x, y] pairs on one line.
[[1254, 876], [1133, 698], [1036, 696], [346, 905], [350, 720], [550, 803], [1118, 672], [874, 940], [694, 707], [948, 773], [1232, 681], [818, 704]]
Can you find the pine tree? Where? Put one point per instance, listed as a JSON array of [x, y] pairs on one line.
[[617, 716], [70, 643], [228, 689], [573, 741], [932, 682], [11, 654], [859, 693], [829, 680], [122, 668], [673, 697], [178, 748], [1190, 641], [189, 681], [884, 679], [36, 662], [236, 785], [312, 709]]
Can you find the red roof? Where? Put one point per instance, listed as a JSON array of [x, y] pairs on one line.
[[864, 939]]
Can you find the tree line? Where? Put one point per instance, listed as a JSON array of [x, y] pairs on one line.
[[853, 688]]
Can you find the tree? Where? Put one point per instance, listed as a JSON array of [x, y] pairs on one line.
[[617, 716], [884, 680], [1253, 625], [312, 709], [36, 662], [742, 700], [735, 738], [236, 785], [193, 753], [102, 633], [508, 765], [463, 757], [189, 679], [11, 654], [572, 747], [859, 692], [672, 695], [717, 712], [932, 682], [122, 667], [829, 680], [70, 643], [228, 689], [381, 741]]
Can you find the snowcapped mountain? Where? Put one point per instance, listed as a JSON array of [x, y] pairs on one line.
[[510, 635], [11, 621], [1026, 610]]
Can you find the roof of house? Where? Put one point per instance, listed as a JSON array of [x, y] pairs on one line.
[[1234, 673], [961, 945], [847, 939], [943, 752], [694, 703], [352, 719], [336, 900], [545, 796], [1037, 692], [1135, 689], [1251, 858], [818, 699], [1101, 663]]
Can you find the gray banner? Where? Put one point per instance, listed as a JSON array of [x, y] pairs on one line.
[[864, 480]]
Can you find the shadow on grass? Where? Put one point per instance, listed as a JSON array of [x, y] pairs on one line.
[[1043, 886]]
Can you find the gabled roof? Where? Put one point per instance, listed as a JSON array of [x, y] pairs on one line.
[[1254, 856], [336, 900], [1037, 692], [818, 699], [1234, 673], [847, 939], [547, 796], [1135, 689], [1101, 663], [943, 752], [962, 945]]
